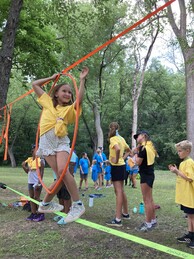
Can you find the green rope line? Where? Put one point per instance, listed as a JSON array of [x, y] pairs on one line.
[[138, 240]]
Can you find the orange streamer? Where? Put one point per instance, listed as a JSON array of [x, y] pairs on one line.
[[104, 45], [6, 136]]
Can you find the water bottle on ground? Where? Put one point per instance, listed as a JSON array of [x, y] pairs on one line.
[[91, 200], [141, 208]]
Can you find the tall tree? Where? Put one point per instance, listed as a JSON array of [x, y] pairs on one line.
[[7, 49], [184, 34]]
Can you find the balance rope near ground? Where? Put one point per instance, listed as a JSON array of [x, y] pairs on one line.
[[138, 240]]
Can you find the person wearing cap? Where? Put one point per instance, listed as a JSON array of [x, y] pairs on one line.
[[117, 148], [145, 156]]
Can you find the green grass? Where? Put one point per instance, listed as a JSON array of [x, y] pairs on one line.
[[22, 239]]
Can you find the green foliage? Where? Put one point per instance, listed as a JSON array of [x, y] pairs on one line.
[[54, 34], [37, 50], [162, 110]]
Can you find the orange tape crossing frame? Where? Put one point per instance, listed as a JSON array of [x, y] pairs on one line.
[[75, 86]]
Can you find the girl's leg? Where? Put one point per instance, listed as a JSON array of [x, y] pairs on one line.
[[80, 183], [134, 182], [61, 158], [190, 222], [32, 204], [118, 186], [100, 179], [52, 162], [148, 201], [86, 182]]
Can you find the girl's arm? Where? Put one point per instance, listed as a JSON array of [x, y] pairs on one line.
[[42, 168], [174, 169], [38, 83], [138, 160], [83, 75], [128, 151]]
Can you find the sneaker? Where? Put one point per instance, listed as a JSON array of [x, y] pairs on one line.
[[50, 207], [191, 244], [114, 223], [144, 228], [57, 218], [154, 225], [39, 217], [32, 215], [186, 238], [61, 221], [126, 216], [76, 210]]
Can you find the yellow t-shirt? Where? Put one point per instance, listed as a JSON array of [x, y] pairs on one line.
[[117, 140], [185, 189], [50, 115], [32, 163]]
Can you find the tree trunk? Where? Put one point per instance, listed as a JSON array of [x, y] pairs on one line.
[[134, 122], [12, 158], [187, 48], [189, 73], [6, 52], [99, 131]]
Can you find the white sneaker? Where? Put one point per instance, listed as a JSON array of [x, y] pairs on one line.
[[50, 207], [75, 212]]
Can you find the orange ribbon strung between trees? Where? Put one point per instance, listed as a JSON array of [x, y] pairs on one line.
[[75, 64], [104, 45], [6, 135]]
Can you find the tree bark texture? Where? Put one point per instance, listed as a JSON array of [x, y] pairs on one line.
[[7, 50], [98, 127], [187, 49]]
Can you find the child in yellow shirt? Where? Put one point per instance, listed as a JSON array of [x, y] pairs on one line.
[[185, 188]]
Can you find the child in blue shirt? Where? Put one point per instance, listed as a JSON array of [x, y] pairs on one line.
[[94, 173], [107, 175], [84, 164]]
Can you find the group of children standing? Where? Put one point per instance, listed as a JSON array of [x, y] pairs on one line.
[[59, 111]]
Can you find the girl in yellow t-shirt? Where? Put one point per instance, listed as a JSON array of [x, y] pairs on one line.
[[185, 188], [54, 144], [117, 148]]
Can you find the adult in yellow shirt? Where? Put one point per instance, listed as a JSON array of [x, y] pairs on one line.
[[118, 151], [59, 111], [185, 188]]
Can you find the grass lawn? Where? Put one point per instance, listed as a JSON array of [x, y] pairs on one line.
[[23, 239]]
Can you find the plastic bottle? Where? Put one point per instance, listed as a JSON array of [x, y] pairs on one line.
[[134, 210], [91, 200], [141, 208]]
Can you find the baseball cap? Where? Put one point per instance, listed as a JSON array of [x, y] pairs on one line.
[[141, 132]]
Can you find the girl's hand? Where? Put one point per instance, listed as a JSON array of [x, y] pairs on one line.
[[84, 73], [53, 77], [114, 160]]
